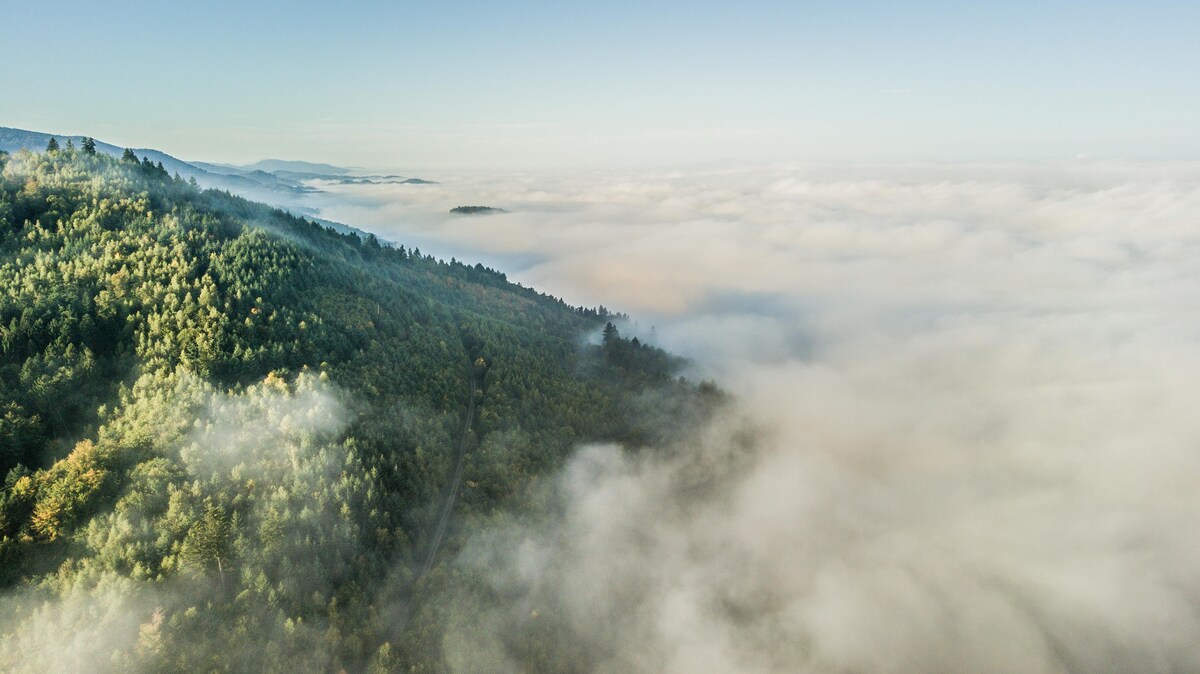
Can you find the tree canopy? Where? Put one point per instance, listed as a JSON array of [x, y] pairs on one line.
[[232, 428]]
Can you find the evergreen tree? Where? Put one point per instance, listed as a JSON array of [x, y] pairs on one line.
[[610, 333], [129, 156], [89, 146], [52, 146], [208, 541]]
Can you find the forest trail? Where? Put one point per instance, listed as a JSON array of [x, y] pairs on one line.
[[443, 521]]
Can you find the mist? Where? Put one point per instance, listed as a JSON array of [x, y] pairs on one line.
[[962, 436], [282, 434]]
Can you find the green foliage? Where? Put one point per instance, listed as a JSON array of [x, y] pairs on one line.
[[208, 541], [213, 399]]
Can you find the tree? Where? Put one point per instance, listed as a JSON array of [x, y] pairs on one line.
[[610, 333], [371, 248], [70, 144], [52, 146], [89, 146], [208, 541], [129, 156]]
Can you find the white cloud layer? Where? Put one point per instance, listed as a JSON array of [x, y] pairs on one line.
[[974, 388]]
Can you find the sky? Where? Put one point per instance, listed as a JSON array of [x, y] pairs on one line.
[[547, 84]]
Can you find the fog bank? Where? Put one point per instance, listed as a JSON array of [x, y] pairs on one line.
[[969, 389]]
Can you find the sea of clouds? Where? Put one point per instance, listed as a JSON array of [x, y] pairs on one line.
[[973, 389]]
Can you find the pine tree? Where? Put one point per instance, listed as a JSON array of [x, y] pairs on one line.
[[89, 146], [129, 156], [52, 146], [209, 539], [610, 333]]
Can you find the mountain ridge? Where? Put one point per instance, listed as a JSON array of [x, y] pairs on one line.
[[279, 191], [226, 432]]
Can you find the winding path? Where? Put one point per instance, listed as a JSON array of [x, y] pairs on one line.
[[439, 533]]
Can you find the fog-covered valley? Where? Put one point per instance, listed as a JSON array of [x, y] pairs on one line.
[[968, 391]]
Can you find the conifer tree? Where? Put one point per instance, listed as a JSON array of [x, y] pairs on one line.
[[610, 333], [208, 541]]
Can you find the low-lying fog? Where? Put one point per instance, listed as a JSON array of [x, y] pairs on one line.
[[976, 391]]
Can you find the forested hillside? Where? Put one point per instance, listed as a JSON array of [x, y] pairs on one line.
[[226, 432]]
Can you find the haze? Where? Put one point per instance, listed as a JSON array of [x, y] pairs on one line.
[[513, 84], [972, 385]]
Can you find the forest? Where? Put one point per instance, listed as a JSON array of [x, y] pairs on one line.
[[226, 432]]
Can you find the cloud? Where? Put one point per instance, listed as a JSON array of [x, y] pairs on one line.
[[94, 629], [268, 432], [970, 391]]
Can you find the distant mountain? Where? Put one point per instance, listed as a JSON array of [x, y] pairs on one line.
[[211, 167], [277, 182], [375, 180], [252, 182], [276, 165], [13, 140], [257, 187], [294, 173], [476, 210]]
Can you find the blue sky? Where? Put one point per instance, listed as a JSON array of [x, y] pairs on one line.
[[515, 84]]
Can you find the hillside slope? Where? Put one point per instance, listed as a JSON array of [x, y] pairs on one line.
[[276, 182], [268, 186], [226, 432]]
